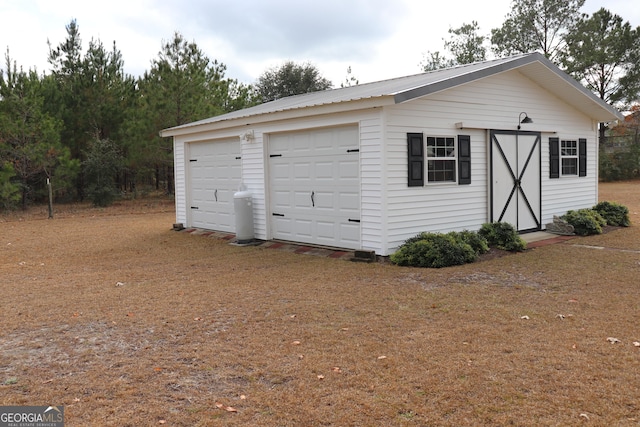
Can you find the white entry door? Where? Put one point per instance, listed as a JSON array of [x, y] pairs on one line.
[[315, 186], [214, 176], [516, 179]]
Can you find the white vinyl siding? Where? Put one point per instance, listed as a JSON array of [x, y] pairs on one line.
[[488, 104], [390, 210], [570, 191], [253, 179], [373, 181], [435, 207], [180, 181]]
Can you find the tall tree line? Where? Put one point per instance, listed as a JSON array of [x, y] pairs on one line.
[[91, 130]]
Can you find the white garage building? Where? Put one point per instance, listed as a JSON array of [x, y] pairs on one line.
[[368, 166]]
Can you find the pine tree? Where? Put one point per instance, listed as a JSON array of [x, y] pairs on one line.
[[603, 53], [29, 137], [536, 25]]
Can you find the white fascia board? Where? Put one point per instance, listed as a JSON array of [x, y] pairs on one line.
[[341, 107]]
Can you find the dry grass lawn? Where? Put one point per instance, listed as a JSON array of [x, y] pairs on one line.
[[127, 323]]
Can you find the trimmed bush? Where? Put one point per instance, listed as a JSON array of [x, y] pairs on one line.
[[421, 236], [434, 250], [502, 235], [585, 221], [614, 213], [473, 239], [478, 243]]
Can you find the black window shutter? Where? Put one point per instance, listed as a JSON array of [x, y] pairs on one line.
[[582, 157], [464, 159], [554, 157], [415, 147]]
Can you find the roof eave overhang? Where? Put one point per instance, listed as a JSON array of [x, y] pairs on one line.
[[589, 103], [289, 114]]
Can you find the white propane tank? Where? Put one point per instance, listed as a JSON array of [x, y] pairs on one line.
[[243, 207]]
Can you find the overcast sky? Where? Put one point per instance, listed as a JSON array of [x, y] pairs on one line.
[[379, 39]]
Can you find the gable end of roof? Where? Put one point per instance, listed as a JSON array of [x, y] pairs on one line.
[[491, 69]]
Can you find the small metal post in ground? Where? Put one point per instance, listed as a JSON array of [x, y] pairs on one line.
[[50, 199]]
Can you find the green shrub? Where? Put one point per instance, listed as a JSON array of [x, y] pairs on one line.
[[434, 250], [420, 236], [502, 235], [614, 213], [585, 221], [477, 242]]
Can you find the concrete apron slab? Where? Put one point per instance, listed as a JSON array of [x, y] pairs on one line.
[[543, 238], [537, 236]]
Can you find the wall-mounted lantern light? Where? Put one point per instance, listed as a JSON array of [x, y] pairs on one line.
[[526, 119]]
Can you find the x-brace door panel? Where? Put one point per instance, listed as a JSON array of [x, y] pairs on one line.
[[515, 179]]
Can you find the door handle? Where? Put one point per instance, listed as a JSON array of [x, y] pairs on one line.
[[313, 199]]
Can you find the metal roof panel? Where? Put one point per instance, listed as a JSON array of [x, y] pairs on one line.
[[533, 65]]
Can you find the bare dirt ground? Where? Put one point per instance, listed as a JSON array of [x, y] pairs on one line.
[[127, 323]]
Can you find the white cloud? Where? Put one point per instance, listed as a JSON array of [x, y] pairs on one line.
[[378, 38]]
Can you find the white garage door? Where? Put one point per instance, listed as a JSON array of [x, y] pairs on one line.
[[315, 187], [214, 174]]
